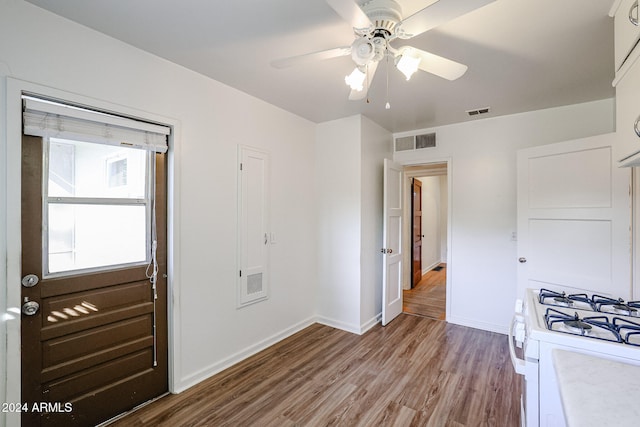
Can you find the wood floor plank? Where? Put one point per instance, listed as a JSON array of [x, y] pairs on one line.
[[415, 371], [428, 297]]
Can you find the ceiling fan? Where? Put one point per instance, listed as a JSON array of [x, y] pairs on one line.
[[376, 24]]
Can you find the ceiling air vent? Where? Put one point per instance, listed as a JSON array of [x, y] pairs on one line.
[[416, 142]]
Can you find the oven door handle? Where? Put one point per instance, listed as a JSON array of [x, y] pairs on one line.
[[518, 364]]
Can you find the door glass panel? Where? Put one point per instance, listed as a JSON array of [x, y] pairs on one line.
[[84, 169], [91, 236], [97, 206]]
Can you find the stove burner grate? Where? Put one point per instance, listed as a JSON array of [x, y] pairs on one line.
[[616, 306], [629, 331], [625, 309], [561, 299], [597, 327]]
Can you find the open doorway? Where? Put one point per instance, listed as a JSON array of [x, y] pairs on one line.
[[426, 216]]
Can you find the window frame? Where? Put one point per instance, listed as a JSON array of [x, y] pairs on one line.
[[148, 202]]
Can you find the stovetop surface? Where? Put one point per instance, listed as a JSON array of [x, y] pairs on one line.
[[606, 332], [593, 303]]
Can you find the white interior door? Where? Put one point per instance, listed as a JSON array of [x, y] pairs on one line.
[[574, 211], [392, 242]]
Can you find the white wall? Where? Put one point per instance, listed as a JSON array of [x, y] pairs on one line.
[[338, 185], [431, 222], [349, 160], [210, 120], [376, 146], [483, 198]]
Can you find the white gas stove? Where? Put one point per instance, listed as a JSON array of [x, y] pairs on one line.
[[547, 320]]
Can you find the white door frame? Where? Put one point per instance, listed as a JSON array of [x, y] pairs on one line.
[[434, 167], [14, 90]]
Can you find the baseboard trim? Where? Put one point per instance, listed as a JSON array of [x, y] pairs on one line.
[[431, 267], [371, 323], [472, 323], [348, 327], [220, 366]]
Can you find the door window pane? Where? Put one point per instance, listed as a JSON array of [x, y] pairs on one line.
[[84, 169], [93, 236], [97, 206]]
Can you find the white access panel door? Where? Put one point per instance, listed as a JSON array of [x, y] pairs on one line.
[[574, 212], [392, 242], [253, 230]]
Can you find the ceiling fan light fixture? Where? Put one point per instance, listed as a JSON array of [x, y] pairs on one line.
[[362, 50], [408, 64], [355, 80]]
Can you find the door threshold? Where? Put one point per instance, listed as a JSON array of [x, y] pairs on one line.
[[131, 411]]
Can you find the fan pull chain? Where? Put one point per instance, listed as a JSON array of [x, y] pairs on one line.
[[366, 70], [387, 105]]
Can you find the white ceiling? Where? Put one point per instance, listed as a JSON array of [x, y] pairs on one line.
[[522, 55]]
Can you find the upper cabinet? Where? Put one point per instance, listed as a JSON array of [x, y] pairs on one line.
[[628, 117], [627, 31], [627, 81]]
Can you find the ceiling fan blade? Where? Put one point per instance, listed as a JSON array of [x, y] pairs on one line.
[[311, 57], [371, 71], [438, 13], [438, 65], [350, 12]]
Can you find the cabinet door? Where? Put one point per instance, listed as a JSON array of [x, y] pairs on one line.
[[627, 31], [628, 113]]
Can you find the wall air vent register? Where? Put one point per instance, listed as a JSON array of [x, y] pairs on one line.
[[415, 142]]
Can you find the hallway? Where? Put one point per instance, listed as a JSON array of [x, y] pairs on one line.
[[428, 297]]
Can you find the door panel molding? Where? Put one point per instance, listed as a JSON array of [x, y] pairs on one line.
[[392, 264], [573, 214]]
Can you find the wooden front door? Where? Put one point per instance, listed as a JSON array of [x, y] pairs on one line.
[[416, 234], [97, 344]]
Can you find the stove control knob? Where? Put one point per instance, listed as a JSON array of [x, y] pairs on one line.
[[519, 306]]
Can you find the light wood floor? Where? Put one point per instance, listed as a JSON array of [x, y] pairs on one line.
[[413, 372], [428, 297]]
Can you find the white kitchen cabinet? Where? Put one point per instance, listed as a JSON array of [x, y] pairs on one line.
[[628, 116], [627, 31]]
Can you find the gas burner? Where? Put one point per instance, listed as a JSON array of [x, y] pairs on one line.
[[626, 310], [597, 327], [577, 326], [617, 306], [561, 299]]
